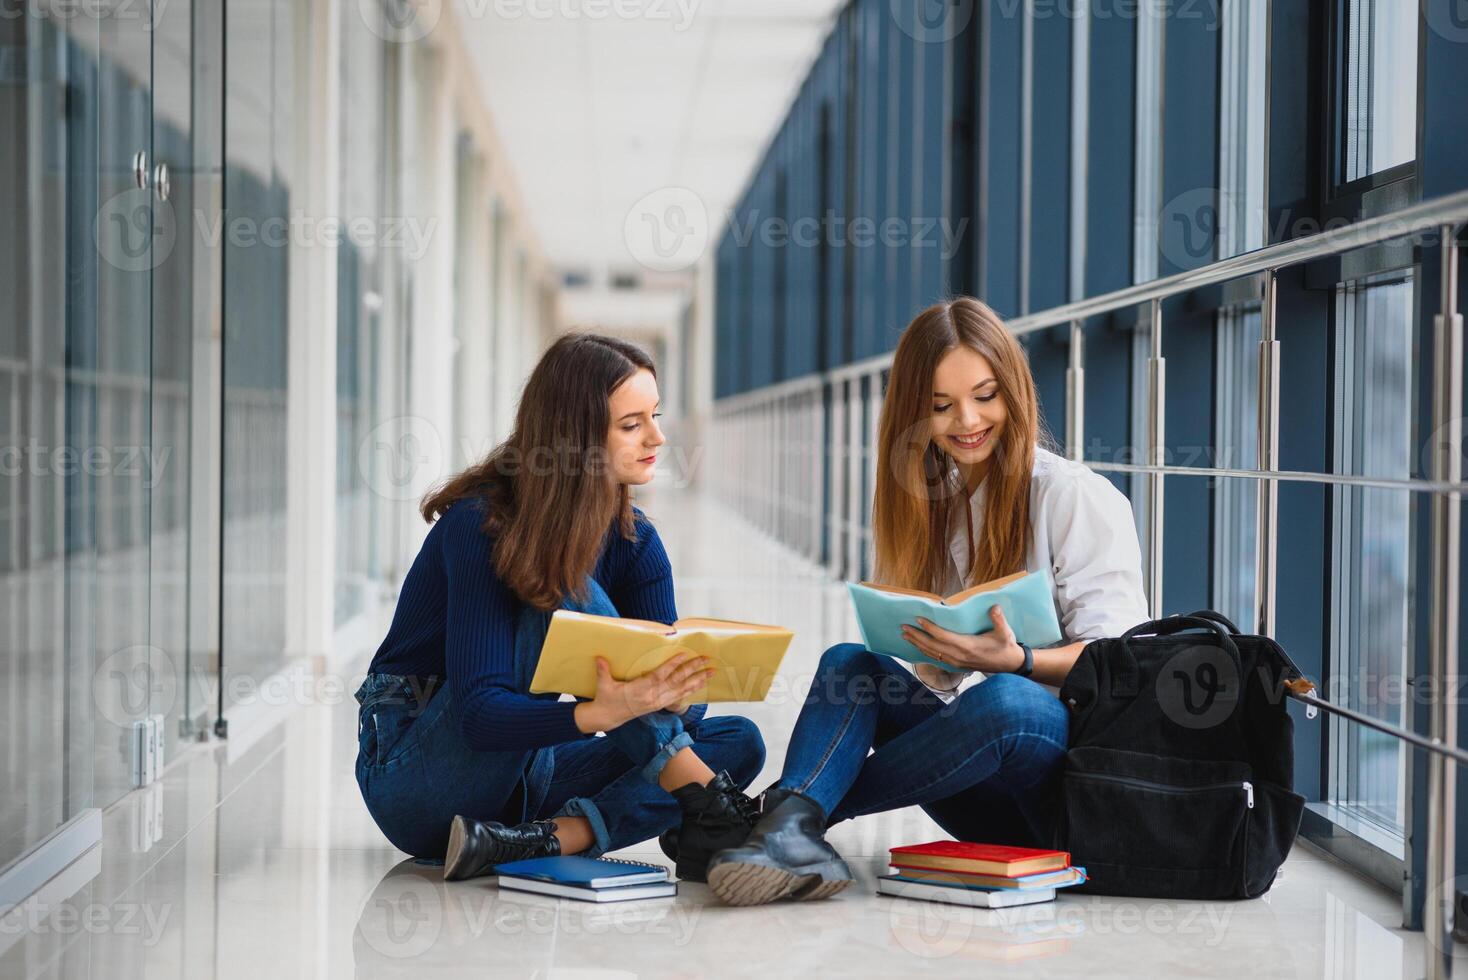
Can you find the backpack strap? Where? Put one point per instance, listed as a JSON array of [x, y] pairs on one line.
[[1126, 674], [1289, 665], [1216, 617]]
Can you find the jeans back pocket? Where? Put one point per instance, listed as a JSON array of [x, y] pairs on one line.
[[382, 729]]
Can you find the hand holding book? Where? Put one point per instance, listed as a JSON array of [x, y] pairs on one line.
[[994, 652], [690, 661], [965, 626], [670, 685]]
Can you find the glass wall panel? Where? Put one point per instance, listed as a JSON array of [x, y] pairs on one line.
[[44, 165], [181, 260], [1148, 174], [108, 411], [1236, 501], [1380, 86], [1242, 126], [359, 308], [1371, 575], [94, 390], [1147, 189], [198, 214], [259, 173], [1242, 220]]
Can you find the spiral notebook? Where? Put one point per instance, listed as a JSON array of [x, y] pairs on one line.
[[587, 879], [585, 872]]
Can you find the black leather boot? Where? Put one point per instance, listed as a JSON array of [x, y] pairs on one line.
[[786, 855], [715, 817], [476, 847]]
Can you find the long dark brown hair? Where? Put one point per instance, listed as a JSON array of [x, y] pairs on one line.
[[917, 490], [548, 489]]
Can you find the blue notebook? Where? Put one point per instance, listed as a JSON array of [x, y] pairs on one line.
[[584, 872], [1024, 597]]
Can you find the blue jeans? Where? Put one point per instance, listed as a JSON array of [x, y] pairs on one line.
[[984, 766], [416, 772]]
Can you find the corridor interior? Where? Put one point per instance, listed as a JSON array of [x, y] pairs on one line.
[[262, 862]]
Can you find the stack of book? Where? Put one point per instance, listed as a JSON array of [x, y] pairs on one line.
[[978, 875], [588, 879]]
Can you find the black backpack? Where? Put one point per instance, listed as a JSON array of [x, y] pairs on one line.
[[1179, 778]]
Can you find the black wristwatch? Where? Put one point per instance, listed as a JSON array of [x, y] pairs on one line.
[[1028, 667]]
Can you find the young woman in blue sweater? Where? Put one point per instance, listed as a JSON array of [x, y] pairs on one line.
[[457, 760]]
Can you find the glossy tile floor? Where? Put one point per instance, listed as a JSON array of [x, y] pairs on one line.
[[268, 866]]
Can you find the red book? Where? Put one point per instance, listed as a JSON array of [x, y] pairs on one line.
[[991, 859]]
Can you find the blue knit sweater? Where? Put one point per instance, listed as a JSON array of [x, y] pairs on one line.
[[455, 619]]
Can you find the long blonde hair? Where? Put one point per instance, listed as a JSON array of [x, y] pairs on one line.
[[919, 490]]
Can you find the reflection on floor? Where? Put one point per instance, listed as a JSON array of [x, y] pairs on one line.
[[270, 866]]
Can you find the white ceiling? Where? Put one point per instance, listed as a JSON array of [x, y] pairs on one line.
[[598, 110]]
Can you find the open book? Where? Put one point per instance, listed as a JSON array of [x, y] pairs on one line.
[[744, 656], [1025, 598]]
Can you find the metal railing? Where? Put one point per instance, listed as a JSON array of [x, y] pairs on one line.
[[801, 464]]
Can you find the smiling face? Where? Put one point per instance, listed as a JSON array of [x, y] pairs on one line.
[[968, 408], [634, 437]]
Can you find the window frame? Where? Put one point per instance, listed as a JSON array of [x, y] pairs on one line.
[[1338, 190]]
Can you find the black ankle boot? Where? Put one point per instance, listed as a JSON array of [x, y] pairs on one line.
[[715, 817], [786, 855], [476, 847]]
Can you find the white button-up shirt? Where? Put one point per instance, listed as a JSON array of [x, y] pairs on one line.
[[1083, 533]]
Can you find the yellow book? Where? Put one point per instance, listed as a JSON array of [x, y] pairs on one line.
[[744, 656]]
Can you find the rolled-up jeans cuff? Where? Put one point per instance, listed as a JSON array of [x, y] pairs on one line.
[[580, 806], [658, 762]]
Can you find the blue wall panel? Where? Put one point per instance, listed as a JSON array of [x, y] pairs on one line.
[[1110, 157], [874, 155], [933, 149], [1187, 347], [777, 252], [806, 237], [1001, 84], [1050, 181], [1049, 356], [896, 218], [1190, 179], [1109, 396], [1304, 532], [723, 330], [1110, 153], [1188, 239], [831, 71]]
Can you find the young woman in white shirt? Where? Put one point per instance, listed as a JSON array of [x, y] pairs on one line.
[[966, 492]]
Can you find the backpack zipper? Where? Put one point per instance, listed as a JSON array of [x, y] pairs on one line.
[[1245, 785]]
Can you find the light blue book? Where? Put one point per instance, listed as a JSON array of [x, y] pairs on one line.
[[1024, 597]]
